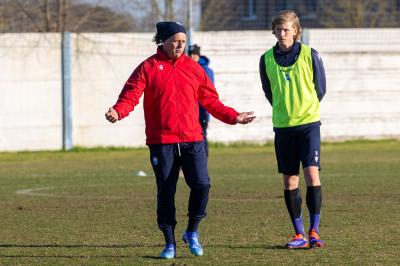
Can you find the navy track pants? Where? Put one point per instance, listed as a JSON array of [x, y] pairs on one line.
[[167, 160]]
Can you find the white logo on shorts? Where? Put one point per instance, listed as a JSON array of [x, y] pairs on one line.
[[316, 156], [155, 160]]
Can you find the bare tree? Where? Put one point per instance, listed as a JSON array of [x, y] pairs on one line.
[[169, 10], [61, 15], [146, 13], [231, 14], [132, 15], [357, 14], [220, 14], [155, 10]]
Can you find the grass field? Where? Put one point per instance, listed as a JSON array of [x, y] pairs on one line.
[[89, 207]]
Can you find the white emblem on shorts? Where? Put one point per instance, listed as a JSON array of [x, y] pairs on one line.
[[316, 156], [155, 160]]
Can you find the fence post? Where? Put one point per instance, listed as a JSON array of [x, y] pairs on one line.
[[305, 37], [66, 68], [190, 26]]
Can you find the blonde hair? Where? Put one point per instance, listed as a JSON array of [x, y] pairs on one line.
[[285, 16]]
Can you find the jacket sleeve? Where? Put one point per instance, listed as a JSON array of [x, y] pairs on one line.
[[266, 85], [131, 92], [319, 74], [209, 99]]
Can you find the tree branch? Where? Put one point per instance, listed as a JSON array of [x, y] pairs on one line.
[[86, 17], [21, 8]]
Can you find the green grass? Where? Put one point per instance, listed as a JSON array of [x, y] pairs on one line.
[[88, 207]]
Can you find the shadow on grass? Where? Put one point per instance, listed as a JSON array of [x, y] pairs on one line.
[[247, 246], [114, 246], [155, 257], [271, 247], [78, 246], [66, 256], [266, 246]]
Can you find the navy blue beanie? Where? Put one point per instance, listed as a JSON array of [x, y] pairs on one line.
[[194, 49], [166, 29]]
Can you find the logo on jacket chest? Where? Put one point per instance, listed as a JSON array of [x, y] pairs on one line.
[[161, 67]]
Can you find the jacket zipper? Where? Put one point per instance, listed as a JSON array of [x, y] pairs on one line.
[[178, 107]]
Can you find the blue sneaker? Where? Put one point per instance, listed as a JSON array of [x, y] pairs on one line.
[[169, 252], [298, 242], [192, 239]]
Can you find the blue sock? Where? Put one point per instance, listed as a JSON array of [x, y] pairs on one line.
[[193, 225], [169, 237], [191, 234], [314, 221], [298, 226]]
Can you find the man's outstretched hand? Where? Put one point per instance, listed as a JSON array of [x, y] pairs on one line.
[[245, 117], [112, 115]]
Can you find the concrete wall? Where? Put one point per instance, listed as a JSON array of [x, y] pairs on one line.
[[363, 74], [363, 70], [30, 89], [101, 65]]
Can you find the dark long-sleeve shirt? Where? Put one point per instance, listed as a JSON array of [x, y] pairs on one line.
[[286, 59]]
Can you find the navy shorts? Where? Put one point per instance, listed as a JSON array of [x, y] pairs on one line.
[[295, 145]]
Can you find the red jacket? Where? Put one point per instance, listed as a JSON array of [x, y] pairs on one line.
[[172, 90]]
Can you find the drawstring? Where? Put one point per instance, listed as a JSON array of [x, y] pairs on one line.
[[179, 150]]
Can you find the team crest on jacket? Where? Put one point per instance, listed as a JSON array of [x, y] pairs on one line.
[[161, 67]]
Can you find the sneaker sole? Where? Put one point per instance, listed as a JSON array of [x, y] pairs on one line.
[[318, 245], [301, 247]]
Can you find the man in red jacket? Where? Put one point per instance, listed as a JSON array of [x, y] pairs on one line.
[[173, 84]]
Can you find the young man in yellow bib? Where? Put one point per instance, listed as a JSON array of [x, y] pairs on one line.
[[293, 79]]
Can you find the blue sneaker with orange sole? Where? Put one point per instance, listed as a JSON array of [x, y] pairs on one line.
[[315, 240], [169, 252], [298, 242], [192, 239]]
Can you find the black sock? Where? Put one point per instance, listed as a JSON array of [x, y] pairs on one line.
[[293, 202], [314, 199], [314, 202]]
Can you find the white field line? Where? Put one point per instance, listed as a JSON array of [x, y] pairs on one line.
[[39, 192], [35, 192]]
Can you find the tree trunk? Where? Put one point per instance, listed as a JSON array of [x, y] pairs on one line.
[[169, 10]]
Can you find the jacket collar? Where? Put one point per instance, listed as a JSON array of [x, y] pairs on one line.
[[164, 57], [294, 50], [204, 61]]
